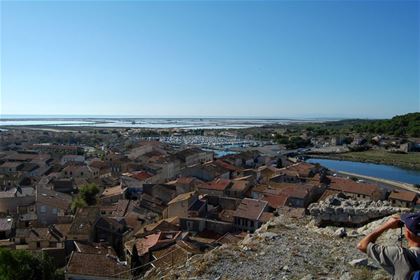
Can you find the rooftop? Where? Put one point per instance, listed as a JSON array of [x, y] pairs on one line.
[[403, 196], [350, 186], [117, 190], [84, 220], [53, 198], [182, 197], [97, 265], [251, 209], [6, 224], [218, 184]]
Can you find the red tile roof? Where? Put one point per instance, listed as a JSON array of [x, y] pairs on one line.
[[403, 196], [239, 186], [145, 244], [251, 209], [298, 191], [275, 201], [350, 186], [302, 168], [218, 184], [141, 175], [97, 266], [227, 166]]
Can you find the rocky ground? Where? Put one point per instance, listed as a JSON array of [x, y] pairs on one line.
[[341, 210], [286, 248]]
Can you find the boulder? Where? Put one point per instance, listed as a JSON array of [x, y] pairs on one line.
[[359, 262], [339, 210], [341, 232]]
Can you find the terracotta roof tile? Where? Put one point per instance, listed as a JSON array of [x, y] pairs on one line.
[[97, 266], [403, 196], [251, 209]]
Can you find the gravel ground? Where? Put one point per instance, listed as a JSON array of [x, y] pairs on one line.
[[283, 248]]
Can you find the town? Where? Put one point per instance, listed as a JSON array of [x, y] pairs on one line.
[[116, 204]]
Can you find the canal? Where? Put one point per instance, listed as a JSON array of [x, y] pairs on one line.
[[370, 169]]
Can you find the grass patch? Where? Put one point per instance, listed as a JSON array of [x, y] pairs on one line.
[[410, 160], [364, 273]]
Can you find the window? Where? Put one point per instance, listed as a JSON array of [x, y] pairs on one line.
[[190, 225], [54, 211], [43, 209]]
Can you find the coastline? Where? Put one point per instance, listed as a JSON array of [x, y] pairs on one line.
[[396, 184], [411, 166]]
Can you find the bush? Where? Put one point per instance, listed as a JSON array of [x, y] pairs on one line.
[[87, 196], [22, 265]]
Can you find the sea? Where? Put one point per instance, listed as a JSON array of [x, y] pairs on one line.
[[145, 122]]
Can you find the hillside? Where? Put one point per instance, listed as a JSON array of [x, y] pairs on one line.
[[285, 248], [404, 125]]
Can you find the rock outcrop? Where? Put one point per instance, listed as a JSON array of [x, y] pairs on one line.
[[283, 248], [338, 210]]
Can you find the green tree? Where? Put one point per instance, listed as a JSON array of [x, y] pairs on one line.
[[87, 196], [77, 202], [88, 193], [22, 265]]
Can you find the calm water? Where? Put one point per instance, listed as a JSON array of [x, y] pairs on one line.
[[133, 122], [369, 169], [191, 123]]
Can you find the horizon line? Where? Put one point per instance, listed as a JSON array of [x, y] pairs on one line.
[[100, 116]]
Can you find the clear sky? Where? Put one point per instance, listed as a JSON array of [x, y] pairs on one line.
[[203, 58]]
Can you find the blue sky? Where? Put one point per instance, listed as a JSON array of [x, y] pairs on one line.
[[199, 58]]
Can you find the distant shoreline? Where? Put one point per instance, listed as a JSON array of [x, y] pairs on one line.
[[342, 157], [93, 117], [150, 123]]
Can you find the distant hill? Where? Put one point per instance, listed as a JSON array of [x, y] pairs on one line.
[[404, 125]]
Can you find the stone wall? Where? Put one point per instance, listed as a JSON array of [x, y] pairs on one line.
[[340, 210]]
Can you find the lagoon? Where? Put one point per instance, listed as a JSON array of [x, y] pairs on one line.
[[389, 172]]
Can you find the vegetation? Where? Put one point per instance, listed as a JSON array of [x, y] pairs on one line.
[[22, 265], [87, 196], [294, 142], [400, 126], [403, 126], [409, 160]]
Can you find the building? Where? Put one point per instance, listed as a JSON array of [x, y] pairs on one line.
[[179, 206], [194, 156], [216, 187], [10, 167], [58, 149], [111, 230], [112, 194], [143, 248], [40, 238], [238, 189], [206, 172], [251, 214], [72, 158], [356, 189], [82, 227], [80, 171], [196, 224], [65, 185], [403, 199], [50, 205], [88, 266], [14, 198], [6, 227]]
